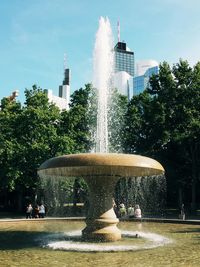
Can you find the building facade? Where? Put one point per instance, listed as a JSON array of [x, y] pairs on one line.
[[124, 58], [62, 101], [124, 69], [145, 70], [143, 65], [123, 81], [64, 89]]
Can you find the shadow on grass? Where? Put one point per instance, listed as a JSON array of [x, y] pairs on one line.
[[188, 230]]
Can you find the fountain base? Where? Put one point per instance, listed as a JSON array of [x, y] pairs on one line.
[[101, 230]]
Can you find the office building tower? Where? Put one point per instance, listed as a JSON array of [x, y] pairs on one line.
[[61, 101], [145, 70], [124, 58], [64, 89], [124, 69]]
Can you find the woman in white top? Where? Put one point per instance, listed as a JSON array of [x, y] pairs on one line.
[[29, 210], [41, 211], [137, 212]]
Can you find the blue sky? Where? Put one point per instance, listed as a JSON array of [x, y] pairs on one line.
[[35, 35]]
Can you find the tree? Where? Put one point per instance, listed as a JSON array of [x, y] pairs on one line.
[[163, 123], [75, 122], [30, 137], [177, 90], [41, 138], [134, 124]]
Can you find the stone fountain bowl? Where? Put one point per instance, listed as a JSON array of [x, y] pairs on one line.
[[101, 172], [103, 164]]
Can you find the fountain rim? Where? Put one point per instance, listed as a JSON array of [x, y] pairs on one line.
[[101, 164]]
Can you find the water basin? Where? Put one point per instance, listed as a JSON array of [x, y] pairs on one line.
[[27, 243]]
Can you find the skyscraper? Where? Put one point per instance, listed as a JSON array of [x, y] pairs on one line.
[[64, 89], [124, 58], [61, 101], [124, 69]]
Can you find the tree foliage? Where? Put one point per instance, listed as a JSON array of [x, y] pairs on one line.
[[75, 122], [164, 122], [29, 135]]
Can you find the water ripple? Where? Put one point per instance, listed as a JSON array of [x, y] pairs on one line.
[[71, 241]]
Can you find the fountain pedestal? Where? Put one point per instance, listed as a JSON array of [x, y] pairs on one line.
[[101, 220]]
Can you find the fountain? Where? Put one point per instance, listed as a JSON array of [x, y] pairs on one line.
[[101, 170]]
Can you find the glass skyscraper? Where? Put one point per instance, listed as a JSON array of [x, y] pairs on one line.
[[124, 58], [141, 82]]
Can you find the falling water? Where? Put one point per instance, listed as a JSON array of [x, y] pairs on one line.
[[103, 65]]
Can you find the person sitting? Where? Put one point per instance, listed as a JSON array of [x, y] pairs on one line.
[[131, 211], [122, 210], [137, 212]]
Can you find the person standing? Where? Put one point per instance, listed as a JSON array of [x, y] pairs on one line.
[[29, 210], [182, 214], [36, 212], [41, 211]]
